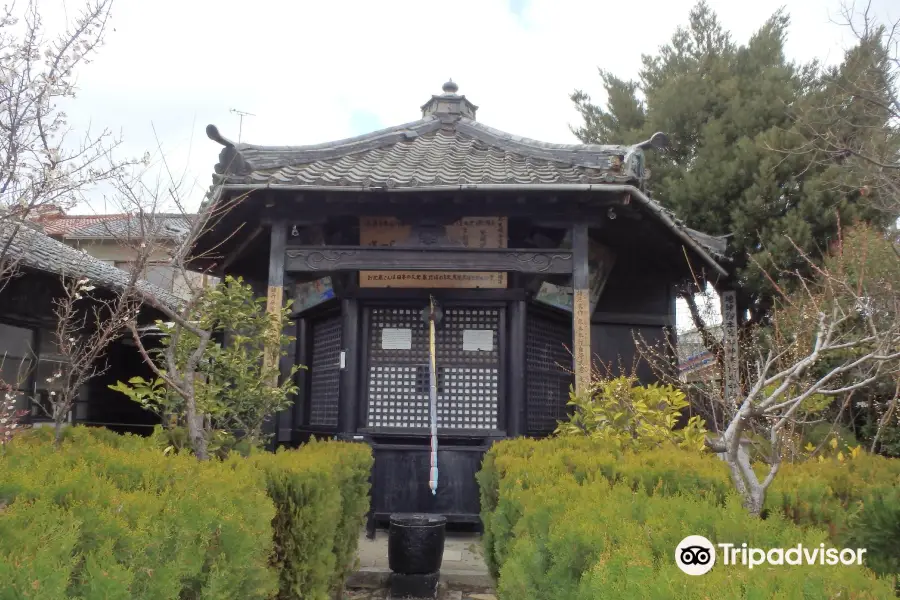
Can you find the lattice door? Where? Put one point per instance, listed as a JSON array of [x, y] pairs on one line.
[[325, 372], [549, 372], [468, 368]]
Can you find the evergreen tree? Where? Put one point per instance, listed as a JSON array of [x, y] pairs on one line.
[[729, 110]]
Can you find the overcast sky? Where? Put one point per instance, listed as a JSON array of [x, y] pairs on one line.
[[314, 71]]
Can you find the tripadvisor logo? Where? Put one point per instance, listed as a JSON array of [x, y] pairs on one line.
[[696, 555]]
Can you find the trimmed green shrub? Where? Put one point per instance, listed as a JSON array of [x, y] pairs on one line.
[[308, 504], [876, 526], [109, 517], [519, 476], [320, 493], [828, 493], [609, 541], [112, 516], [352, 466]]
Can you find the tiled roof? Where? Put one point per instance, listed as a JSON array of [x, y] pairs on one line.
[[35, 250], [115, 226], [63, 224], [428, 152], [445, 148]]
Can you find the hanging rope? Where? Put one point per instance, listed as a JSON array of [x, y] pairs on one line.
[[432, 393]]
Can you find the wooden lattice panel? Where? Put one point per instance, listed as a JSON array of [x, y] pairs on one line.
[[468, 379], [325, 372], [548, 375]]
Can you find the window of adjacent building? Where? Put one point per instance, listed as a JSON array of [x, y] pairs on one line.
[[50, 375], [17, 359], [35, 375]]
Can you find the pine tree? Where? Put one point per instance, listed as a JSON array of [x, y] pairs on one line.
[[729, 110]]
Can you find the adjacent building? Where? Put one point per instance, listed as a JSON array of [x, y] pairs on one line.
[[112, 239], [28, 352]]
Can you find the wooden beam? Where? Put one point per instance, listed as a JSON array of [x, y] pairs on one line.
[[275, 290], [313, 210], [634, 319], [581, 309], [300, 259]]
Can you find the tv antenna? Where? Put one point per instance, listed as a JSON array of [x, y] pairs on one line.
[[241, 114]]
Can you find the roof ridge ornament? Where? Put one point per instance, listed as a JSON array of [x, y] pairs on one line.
[[212, 132], [449, 106], [658, 140]]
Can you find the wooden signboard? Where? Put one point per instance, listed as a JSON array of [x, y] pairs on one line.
[[469, 232]]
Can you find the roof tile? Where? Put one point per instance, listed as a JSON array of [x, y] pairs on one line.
[[36, 250]]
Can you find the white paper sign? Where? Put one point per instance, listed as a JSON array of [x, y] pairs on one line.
[[478, 339], [396, 339]]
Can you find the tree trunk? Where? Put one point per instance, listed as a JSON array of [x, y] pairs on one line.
[[59, 420], [57, 432], [755, 501], [195, 429]]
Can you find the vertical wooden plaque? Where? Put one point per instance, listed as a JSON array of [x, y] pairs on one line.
[[275, 289], [581, 321]]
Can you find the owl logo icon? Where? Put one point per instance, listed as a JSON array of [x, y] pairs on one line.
[[695, 555]]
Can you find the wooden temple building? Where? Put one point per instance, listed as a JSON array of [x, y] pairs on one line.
[[541, 257]]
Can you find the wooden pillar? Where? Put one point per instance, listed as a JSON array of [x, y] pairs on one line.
[[349, 394], [285, 418], [581, 308], [301, 403], [515, 406], [275, 289]]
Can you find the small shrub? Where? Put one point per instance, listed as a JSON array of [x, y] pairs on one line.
[[308, 504], [626, 414]]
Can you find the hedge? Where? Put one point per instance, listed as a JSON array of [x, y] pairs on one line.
[[321, 497], [352, 466], [109, 516], [90, 520], [572, 515]]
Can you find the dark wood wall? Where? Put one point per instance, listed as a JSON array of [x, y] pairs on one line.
[[638, 300]]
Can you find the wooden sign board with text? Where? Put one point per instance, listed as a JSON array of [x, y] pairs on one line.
[[469, 232]]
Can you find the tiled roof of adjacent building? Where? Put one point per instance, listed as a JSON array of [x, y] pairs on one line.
[[120, 226], [35, 250]]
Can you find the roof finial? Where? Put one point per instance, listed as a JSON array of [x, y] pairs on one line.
[[449, 105]]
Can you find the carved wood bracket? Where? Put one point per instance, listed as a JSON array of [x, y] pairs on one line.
[[354, 258]]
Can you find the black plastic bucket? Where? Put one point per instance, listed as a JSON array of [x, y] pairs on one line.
[[416, 543]]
